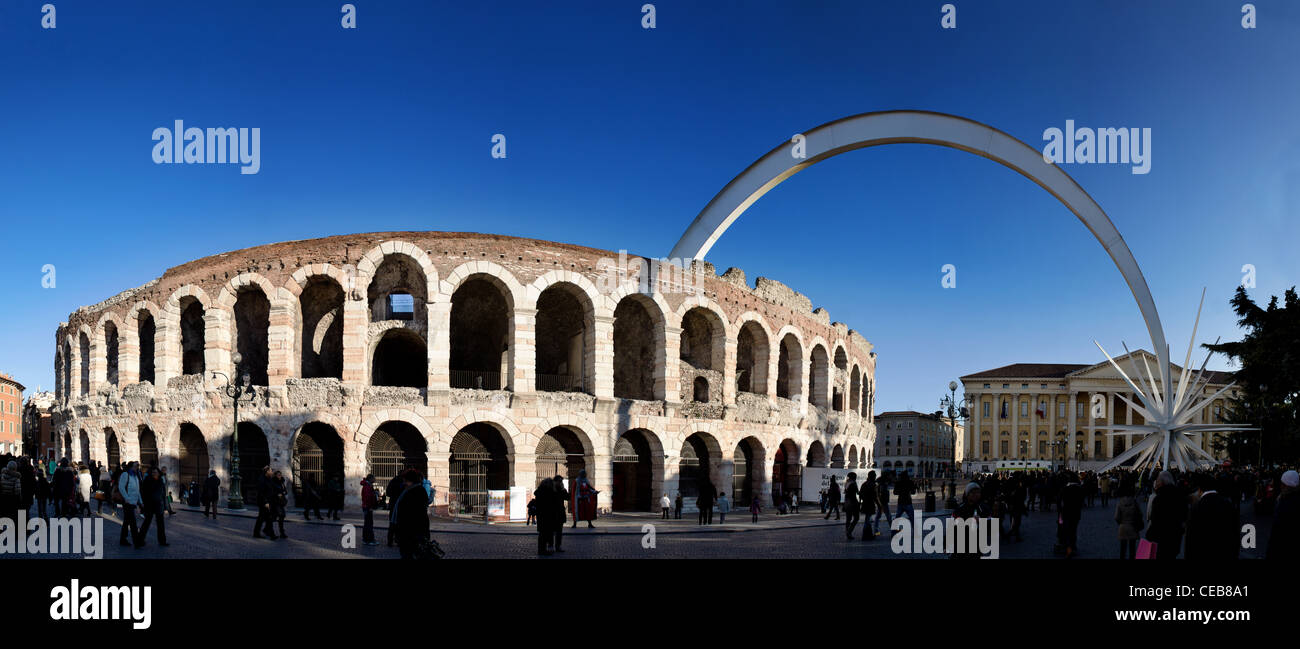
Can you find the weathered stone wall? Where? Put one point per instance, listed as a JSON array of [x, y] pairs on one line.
[[432, 266]]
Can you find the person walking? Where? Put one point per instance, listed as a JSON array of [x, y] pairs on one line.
[[903, 490], [704, 502], [281, 503], [42, 494], [27, 478], [265, 506], [1071, 510], [1213, 530], [411, 515], [128, 489], [542, 500], [677, 507], [1103, 487], [83, 491], [167, 492], [754, 509], [557, 512], [867, 493], [368, 504], [65, 487], [1128, 516], [584, 500], [972, 506], [882, 506], [311, 499], [1016, 506], [1284, 540], [724, 506], [832, 500], [851, 504], [211, 492], [153, 497], [664, 504], [1167, 514], [334, 497], [11, 491]]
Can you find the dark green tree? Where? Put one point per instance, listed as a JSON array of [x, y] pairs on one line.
[[1268, 378]]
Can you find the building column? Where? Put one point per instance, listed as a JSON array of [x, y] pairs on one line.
[[1092, 427], [1015, 425], [1072, 416], [602, 383], [522, 367]]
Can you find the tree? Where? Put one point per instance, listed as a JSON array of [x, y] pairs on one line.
[[1269, 378]]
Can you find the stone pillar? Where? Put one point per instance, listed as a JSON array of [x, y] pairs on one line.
[[523, 351], [668, 377], [439, 346], [280, 340], [356, 318], [1015, 425], [728, 369], [128, 353], [603, 381], [218, 340], [1092, 429], [601, 473], [440, 478]]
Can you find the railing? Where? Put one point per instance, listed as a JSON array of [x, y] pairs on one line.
[[558, 383], [475, 380]]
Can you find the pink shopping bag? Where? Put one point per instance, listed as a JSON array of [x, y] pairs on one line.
[[1146, 549]]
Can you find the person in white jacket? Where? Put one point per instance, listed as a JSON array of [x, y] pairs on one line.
[[664, 504], [83, 491], [128, 488]]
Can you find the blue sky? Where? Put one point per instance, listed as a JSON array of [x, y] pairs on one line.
[[617, 136]]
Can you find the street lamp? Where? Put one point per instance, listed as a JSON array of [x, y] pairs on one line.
[[234, 391], [955, 408]]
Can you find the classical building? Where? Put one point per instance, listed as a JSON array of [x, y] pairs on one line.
[[1047, 414], [11, 415], [488, 362], [38, 426], [913, 442]]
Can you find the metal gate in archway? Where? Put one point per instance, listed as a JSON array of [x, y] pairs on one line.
[[554, 458], [742, 483], [193, 456], [386, 456], [474, 468], [148, 448], [114, 451], [632, 473]]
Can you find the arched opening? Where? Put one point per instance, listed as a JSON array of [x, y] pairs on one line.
[[789, 368], [837, 457], [320, 308], [479, 463], [84, 343], [816, 455], [148, 447], [66, 374], [699, 456], [399, 291], [853, 457], [394, 447], [787, 474], [254, 457], [110, 352], [67, 445], [700, 347], [634, 476], [818, 370], [192, 336], [114, 449], [635, 345], [145, 329], [751, 359], [252, 322], [317, 459], [855, 390], [400, 359], [701, 389], [564, 340], [841, 359], [84, 455], [194, 455], [747, 471], [480, 335], [837, 399], [560, 452]]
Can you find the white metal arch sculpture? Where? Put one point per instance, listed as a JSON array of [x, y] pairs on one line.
[[923, 127]]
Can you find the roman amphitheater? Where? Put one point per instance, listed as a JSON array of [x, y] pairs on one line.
[[487, 362]]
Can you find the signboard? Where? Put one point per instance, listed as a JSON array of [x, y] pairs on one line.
[[518, 503], [496, 502], [817, 478]]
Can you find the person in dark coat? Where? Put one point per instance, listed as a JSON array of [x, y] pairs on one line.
[[63, 488], [391, 492], [1016, 494], [1213, 531], [1284, 540], [558, 514], [868, 496], [1071, 509], [281, 502], [27, 475], [972, 506], [42, 489], [334, 497], [705, 502], [833, 500], [310, 499], [411, 515], [851, 506], [543, 498], [153, 495], [211, 492], [1168, 515], [265, 506]]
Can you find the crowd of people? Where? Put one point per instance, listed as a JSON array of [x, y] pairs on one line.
[[1158, 514]]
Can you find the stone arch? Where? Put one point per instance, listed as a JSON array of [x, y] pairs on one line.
[[370, 262], [748, 470], [790, 363], [699, 458], [855, 389], [85, 354], [640, 366], [142, 342], [753, 353], [819, 375], [474, 356], [638, 470], [320, 297], [816, 454], [108, 331], [249, 322], [837, 457], [560, 362], [910, 126], [202, 357]]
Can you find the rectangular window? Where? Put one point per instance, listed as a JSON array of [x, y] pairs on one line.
[[1078, 409], [401, 306], [1005, 445], [984, 447], [1061, 411], [1024, 408], [986, 409], [1042, 448]]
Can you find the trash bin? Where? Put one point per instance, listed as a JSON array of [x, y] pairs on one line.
[[929, 502]]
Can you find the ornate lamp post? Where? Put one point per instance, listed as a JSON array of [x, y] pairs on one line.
[[956, 408], [234, 391]]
